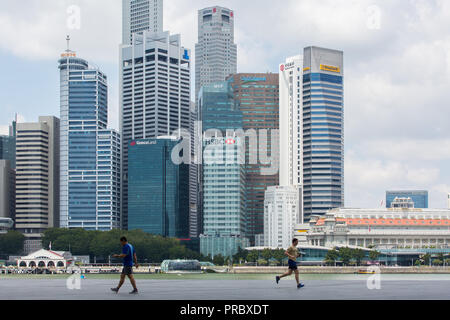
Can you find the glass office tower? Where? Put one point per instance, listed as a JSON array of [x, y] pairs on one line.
[[419, 197], [256, 96], [8, 146], [158, 189], [223, 173], [90, 153], [323, 130], [155, 93]]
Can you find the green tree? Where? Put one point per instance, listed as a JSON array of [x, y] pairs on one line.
[[240, 256], [11, 243], [253, 256], [331, 257], [373, 255], [346, 255], [219, 260], [279, 255], [266, 254], [426, 259], [437, 262], [262, 262], [358, 255]]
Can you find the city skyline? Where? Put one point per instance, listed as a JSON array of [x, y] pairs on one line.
[[387, 145]]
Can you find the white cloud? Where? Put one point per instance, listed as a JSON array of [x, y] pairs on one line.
[[397, 77]]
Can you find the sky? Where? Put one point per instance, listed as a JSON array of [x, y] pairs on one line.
[[397, 72]]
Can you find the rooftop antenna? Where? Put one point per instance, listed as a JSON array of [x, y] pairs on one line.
[[68, 43]]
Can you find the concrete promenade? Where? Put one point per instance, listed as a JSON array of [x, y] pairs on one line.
[[99, 289]]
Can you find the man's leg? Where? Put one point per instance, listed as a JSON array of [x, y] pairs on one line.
[[286, 274], [133, 282], [122, 280], [297, 277]]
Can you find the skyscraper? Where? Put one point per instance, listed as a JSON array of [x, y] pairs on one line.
[[139, 16], [37, 179], [158, 201], [90, 153], [154, 93], [215, 52], [8, 146], [7, 190], [291, 97], [215, 59], [323, 130], [223, 173], [256, 96]]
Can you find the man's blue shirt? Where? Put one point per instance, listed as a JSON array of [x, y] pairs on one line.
[[129, 251]]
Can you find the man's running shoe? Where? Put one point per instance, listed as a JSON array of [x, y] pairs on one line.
[[116, 290], [300, 285], [135, 291], [277, 279]]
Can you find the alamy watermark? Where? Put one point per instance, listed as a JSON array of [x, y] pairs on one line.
[[73, 17], [231, 146]]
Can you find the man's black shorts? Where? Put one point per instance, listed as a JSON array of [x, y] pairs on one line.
[[127, 270], [292, 265]]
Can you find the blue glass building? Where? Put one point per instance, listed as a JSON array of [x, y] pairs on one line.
[[419, 197], [322, 131], [223, 173], [8, 146], [158, 189], [90, 153]]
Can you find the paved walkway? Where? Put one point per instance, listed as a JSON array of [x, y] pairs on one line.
[[94, 289]]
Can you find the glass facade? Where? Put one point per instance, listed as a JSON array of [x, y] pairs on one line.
[[158, 189], [419, 197], [8, 149], [323, 131], [223, 173], [256, 96], [90, 153]]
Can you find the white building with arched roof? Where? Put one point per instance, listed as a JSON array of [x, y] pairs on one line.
[[46, 259]]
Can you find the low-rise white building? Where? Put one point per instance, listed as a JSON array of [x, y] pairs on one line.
[[46, 259], [281, 215], [381, 228]]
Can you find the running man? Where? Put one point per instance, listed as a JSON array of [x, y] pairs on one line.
[[128, 255], [292, 253]]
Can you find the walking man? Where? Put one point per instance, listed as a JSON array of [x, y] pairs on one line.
[[128, 255], [292, 253]]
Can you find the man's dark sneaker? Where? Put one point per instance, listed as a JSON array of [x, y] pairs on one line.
[[135, 291], [277, 279], [300, 285], [116, 290]]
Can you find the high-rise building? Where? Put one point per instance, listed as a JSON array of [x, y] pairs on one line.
[[90, 153], [280, 215], [223, 173], [139, 16], [37, 179], [291, 97], [158, 194], [215, 52], [256, 96], [418, 197], [322, 131], [154, 93], [8, 146], [195, 196], [215, 59], [7, 190]]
